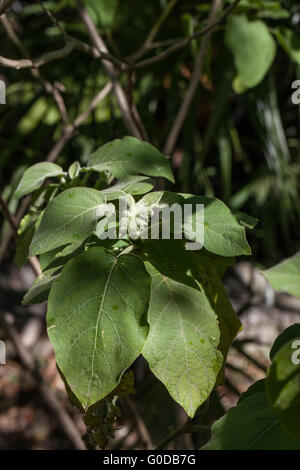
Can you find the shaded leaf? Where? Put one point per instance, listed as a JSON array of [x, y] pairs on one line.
[[34, 177], [283, 382], [69, 218], [39, 290], [181, 347], [285, 276], [252, 46], [130, 156], [223, 235]]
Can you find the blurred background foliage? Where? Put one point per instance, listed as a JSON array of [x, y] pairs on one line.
[[238, 143]]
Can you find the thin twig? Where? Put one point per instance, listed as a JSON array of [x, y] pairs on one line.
[[184, 42], [180, 118], [28, 361], [153, 32], [187, 428], [140, 425]]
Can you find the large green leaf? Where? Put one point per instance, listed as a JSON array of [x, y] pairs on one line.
[[285, 276], [97, 320], [69, 218], [39, 290], [252, 46], [181, 347], [130, 156], [188, 267], [251, 425], [223, 235], [283, 382], [289, 333], [34, 177]]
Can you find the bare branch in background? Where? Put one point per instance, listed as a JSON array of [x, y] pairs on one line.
[[5, 5], [180, 118]]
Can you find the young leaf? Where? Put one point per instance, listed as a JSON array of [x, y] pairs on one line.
[[285, 276], [181, 347], [223, 235], [39, 290], [251, 425], [283, 382], [252, 46], [97, 320], [34, 177], [130, 156], [69, 218]]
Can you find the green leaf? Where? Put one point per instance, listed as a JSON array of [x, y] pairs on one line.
[[223, 235], [290, 43], [97, 320], [289, 333], [103, 11], [251, 425], [69, 218], [208, 274], [188, 267], [252, 46], [283, 382], [134, 185], [130, 156], [34, 177], [74, 170], [26, 231], [257, 387], [181, 348], [39, 290], [285, 276]]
